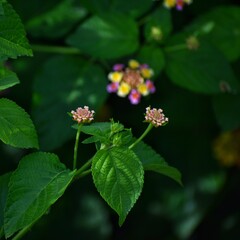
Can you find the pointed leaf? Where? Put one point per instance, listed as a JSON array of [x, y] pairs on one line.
[[118, 176], [17, 128], [7, 78], [13, 41], [109, 32], [155, 162], [38, 182], [4, 180]]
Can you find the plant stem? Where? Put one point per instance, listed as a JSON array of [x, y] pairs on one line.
[[76, 147], [55, 49], [176, 48], [79, 173], [150, 126]]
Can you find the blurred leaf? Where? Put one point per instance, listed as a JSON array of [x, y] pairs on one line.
[[118, 176], [4, 180], [227, 111], [203, 70], [56, 22], [110, 36], [17, 128], [13, 41], [154, 162], [159, 26], [7, 78], [37, 183], [1, 9], [152, 56], [226, 31], [64, 84], [133, 8]]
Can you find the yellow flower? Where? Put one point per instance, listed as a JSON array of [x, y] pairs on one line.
[[169, 3], [147, 72], [133, 64], [143, 89], [123, 89], [115, 76]]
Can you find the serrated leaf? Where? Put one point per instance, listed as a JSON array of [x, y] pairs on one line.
[[109, 32], [13, 41], [204, 70], [159, 26], [7, 78], [153, 161], [17, 128], [118, 176], [225, 33], [4, 180], [64, 84], [58, 21], [100, 132], [37, 183], [227, 111]]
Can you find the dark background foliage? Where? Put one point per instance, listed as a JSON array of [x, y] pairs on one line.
[[75, 43]]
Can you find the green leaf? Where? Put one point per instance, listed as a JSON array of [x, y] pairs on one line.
[[153, 56], [227, 111], [1, 9], [17, 128], [7, 78], [154, 162], [13, 41], [4, 180], [37, 183], [133, 8], [226, 31], [56, 22], [118, 176], [64, 84], [105, 37], [159, 26], [204, 70]]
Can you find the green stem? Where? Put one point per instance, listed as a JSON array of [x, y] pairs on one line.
[[55, 49], [176, 48], [76, 147], [150, 126], [81, 170]]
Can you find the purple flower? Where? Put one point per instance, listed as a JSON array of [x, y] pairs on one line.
[[112, 87], [150, 86], [134, 97], [118, 67]]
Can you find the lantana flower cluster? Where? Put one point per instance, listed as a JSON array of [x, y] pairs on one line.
[[83, 115], [132, 81], [179, 4], [156, 117]]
